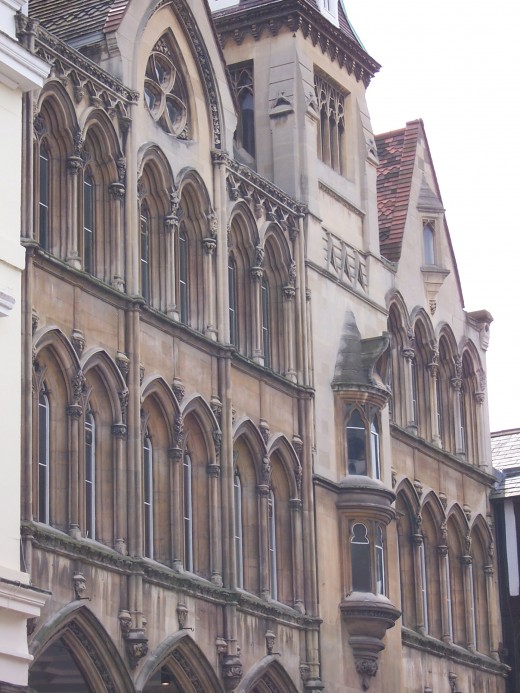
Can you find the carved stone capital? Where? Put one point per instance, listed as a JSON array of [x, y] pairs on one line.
[[257, 274], [74, 165], [408, 353], [213, 470], [289, 292], [442, 550], [119, 430], [74, 411], [117, 190], [209, 245]]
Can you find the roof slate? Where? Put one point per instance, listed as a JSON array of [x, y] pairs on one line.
[[71, 19], [505, 449]]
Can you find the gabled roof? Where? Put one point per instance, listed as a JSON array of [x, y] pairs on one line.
[[505, 450]]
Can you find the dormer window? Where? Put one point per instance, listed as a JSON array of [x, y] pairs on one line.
[[329, 9]]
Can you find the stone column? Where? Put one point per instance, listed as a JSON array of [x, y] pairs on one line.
[[257, 274], [409, 356], [442, 551], [72, 255], [289, 293], [491, 611], [433, 368], [295, 505], [117, 195], [467, 562], [456, 384], [74, 412], [480, 398], [177, 520], [263, 502], [214, 523], [209, 245], [418, 546], [121, 507], [170, 229]]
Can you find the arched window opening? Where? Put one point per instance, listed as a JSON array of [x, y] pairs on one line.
[[90, 475], [43, 457], [44, 197], [428, 244], [356, 445], [88, 224], [148, 495], [266, 326], [374, 448], [188, 514], [233, 318], [331, 107], [462, 401], [56, 669], [239, 541], [440, 411], [360, 558], [145, 253], [449, 598], [243, 84], [273, 567], [183, 277]]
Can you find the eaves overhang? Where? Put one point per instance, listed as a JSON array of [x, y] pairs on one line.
[[297, 15]]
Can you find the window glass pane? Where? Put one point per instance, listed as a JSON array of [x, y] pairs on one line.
[[272, 547], [145, 241], [374, 447], [415, 412], [429, 247], [238, 531], [380, 562], [88, 224], [233, 336], [43, 458], [44, 197], [266, 336], [90, 476], [188, 515], [356, 445], [360, 558], [148, 496], [183, 277]]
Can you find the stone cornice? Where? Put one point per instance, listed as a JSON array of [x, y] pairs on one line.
[[261, 185], [455, 653], [297, 15], [68, 63], [447, 458]]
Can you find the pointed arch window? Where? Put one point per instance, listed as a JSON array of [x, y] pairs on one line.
[[360, 558], [43, 457], [266, 317], [145, 253], [243, 84], [331, 135], [90, 475], [183, 277], [273, 567], [233, 317], [239, 533], [148, 495], [88, 223], [44, 197], [188, 514]]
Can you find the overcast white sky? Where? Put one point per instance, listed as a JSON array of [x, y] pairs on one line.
[[456, 65]]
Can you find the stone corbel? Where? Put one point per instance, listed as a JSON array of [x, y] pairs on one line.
[[433, 278]]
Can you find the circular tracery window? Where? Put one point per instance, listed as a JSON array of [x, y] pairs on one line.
[[164, 92]]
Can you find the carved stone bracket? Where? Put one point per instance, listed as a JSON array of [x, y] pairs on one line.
[[78, 341], [232, 671], [136, 646], [178, 389], [182, 616], [216, 408], [80, 585], [265, 431]]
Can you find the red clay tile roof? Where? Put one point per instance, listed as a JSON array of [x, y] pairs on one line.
[[396, 151]]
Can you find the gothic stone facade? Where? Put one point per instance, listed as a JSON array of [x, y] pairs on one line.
[[255, 451]]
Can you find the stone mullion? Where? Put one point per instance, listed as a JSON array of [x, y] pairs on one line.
[[419, 580], [297, 553], [134, 439], [257, 274], [72, 255], [222, 292], [288, 296], [209, 246], [176, 470], [491, 611], [469, 614], [263, 502], [131, 223], [120, 504], [442, 552], [74, 412], [409, 355], [434, 384], [483, 435], [215, 547], [117, 194], [302, 337]]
